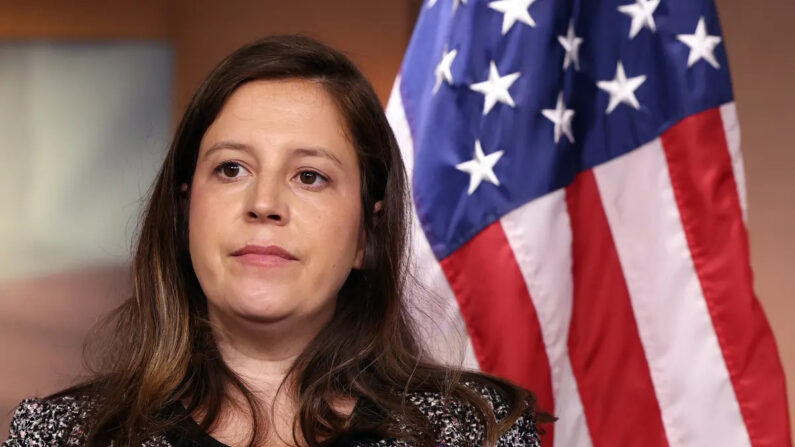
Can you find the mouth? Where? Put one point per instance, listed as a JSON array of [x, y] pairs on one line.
[[264, 256]]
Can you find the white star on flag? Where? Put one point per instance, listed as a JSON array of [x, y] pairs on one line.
[[431, 3], [571, 43], [562, 117], [642, 15], [480, 168], [622, 89], [702, 45], [443, 70], [512, 11], [496, 88]]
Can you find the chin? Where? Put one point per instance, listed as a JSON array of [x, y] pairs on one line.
[[262, 308], [262, 318]]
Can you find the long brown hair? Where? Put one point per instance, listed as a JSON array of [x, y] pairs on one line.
[[162, 350]]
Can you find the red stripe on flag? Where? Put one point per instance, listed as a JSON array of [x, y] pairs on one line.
[[606, 354], [499, 314], [706, 194]]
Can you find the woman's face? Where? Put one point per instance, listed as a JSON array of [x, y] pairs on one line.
[[276, 168]]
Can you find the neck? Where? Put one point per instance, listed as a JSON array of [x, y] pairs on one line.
[[261, 353]]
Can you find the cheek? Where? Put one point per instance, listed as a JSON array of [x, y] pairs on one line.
[[204, 223], [337, 231]]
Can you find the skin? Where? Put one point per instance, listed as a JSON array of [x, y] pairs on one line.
[[254, 184]]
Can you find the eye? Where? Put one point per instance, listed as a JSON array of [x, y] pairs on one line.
[[229, 169], [310, 178]]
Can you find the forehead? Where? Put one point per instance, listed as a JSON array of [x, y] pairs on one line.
[[281, 114]]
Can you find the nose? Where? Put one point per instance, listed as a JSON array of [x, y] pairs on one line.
[[267, 201]]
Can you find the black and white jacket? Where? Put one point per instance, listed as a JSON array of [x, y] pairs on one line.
[[38, 423]]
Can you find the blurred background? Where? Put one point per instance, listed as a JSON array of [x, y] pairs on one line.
[[90, 92]]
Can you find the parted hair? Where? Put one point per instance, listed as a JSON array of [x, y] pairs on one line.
[[162, 350]]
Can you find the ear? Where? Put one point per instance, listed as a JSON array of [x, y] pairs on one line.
[[359, 259], [184, 198]]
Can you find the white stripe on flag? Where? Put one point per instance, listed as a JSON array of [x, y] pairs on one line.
[[731, 126], [438, 316], [690, 378], [539, 234]]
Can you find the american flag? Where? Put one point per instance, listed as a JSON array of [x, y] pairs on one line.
[[580, 198]]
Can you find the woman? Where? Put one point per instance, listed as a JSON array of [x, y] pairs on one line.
[[269, 276]]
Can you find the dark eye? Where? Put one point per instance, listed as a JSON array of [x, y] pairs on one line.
[[229, 169], [310, 177]]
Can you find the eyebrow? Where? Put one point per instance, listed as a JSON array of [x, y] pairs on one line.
[[301, 151]]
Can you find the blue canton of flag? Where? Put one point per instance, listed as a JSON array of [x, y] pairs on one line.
[[510, 99]]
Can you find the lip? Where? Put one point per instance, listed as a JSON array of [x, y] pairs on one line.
[[270, 255]]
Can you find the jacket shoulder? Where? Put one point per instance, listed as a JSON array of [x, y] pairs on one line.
[[56, 421], [523, 432], [459, 423]]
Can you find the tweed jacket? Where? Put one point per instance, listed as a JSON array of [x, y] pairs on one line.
[[39, 423]]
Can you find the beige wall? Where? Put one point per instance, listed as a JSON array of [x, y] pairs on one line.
[[759, 37]]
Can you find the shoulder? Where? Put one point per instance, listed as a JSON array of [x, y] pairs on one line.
[[57, 421], [46, 422], [459, 423]]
